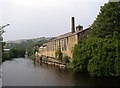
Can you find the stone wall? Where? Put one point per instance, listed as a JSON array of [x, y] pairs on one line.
[[66, 46]]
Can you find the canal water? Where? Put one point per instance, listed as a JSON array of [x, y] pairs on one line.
[[24, 72]]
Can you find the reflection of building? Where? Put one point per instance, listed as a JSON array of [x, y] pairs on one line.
[[64, 42]]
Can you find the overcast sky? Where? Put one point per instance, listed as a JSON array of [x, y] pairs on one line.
[[45, 18]]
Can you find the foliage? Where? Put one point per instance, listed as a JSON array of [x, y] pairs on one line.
[[30, 46], [104, 61], [82, 53], [17, 52], [99, 54], [59, 55], [13, 53], [107, 27], [7, 55], [66, 59], [108, 20]]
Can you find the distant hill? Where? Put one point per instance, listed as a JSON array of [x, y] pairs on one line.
[[26, 40], [25, 43]]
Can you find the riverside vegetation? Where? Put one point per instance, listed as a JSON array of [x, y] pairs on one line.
[[99, 53], [17, 50]]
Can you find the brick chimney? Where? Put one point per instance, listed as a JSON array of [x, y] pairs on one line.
[[72, 25]]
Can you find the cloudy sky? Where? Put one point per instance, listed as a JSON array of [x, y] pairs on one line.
[[48, 18]]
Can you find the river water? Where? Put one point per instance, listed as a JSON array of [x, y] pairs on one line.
[[23, 72]]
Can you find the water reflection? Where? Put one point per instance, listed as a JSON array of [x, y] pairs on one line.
[[25, 72]]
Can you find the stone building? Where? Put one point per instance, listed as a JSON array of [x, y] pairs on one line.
[[65, 43]]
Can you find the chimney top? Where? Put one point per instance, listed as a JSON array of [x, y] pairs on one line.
[[73, 24]]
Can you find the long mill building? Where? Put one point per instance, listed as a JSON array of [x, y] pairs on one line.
[[65, 43]]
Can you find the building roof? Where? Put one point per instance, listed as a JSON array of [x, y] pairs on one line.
[[65, 36], [69, 34]]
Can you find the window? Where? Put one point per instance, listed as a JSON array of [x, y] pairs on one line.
[[65, 44]]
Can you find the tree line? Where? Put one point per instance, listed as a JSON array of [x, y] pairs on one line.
[[12, 53]]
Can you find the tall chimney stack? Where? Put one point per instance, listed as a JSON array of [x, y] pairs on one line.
[[73, 24]]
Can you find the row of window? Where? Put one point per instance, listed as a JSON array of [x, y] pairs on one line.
[[57, 44]]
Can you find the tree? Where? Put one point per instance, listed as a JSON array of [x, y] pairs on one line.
[[107, 21], [99, 54], [107, 27], [83, 52], [103, 61]]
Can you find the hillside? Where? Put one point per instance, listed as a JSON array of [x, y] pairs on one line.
[[26, 44], [25, 40]]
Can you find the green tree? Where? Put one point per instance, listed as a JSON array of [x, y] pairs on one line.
[[99, 54], [107, 27], [103, 62], [107, 21], [83, 52]]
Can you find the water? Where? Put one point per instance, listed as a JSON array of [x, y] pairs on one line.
[[23, 72]]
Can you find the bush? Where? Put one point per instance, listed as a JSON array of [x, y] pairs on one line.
[[98, 56], [66, 59], [59, 55]]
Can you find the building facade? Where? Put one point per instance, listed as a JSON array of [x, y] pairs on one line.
[[65, 43]]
